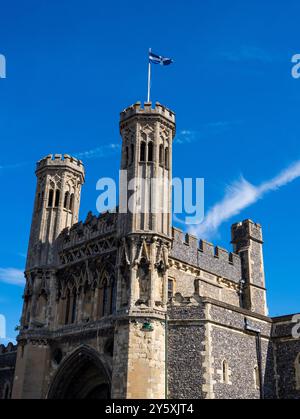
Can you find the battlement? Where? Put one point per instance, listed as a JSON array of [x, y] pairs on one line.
[[204, 246], [137, 109], [245, 231], [54, 160], [10, 348], [214, 259], [93, 227]]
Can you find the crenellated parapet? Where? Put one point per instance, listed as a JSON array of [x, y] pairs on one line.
[[85, 240], [58, 160], [137, 109], [8, 355], [8, 349], [247, 240], [205, 247], [93, 227], [245, 231], [205, 255]]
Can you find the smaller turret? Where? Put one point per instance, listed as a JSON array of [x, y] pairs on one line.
[[57, 200], [247, 241]]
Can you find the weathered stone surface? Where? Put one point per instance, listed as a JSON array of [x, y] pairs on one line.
[[123, 306], [8, 356]]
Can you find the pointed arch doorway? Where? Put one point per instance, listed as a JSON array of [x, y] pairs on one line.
[[83, 375]]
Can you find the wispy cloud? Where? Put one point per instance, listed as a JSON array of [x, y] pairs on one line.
[[12, 276], [240, 195], [251, 54], [98, 152], [187, 136]]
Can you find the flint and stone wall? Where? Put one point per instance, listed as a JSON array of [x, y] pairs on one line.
[[186, 345], [287, 356]]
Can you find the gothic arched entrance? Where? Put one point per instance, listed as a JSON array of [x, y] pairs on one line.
[[83, 375]]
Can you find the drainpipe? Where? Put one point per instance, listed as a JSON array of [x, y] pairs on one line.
[[241, 292], [257, 333]]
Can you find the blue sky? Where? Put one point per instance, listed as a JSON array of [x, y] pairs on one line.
[[72, 66]]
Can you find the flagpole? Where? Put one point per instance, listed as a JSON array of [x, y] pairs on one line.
[[149, 76]]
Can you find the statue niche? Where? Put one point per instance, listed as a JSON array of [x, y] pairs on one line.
[[125, 276], [41, 309], [143, 274]]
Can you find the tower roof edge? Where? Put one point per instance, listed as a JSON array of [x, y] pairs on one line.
[[59, 160], [147, 109]]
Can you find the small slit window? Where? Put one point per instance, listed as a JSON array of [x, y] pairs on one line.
[[105, 300], [167, 158], [67, 312], [50, 199], [256, 378], [143, 151], [150, 152], [74, 307], [132, 153], [161, 154], [57, 198], [66, 202], [71, 207], [113, 297], [170, 289], [225, 374]]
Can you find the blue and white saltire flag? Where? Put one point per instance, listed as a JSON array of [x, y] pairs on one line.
[[155, 59], [158, 59]]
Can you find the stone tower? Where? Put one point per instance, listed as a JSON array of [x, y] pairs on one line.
[[248, 243], [57, 201], [145, 233]]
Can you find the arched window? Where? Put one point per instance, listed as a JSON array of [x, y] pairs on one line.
[[87, 302], [106, 309], [297, 372], [74, 306], [132, 153], [57, 198], [68, 301], [71, 207], [150, 151], [113, 297], [167, 158], [225, 375], [66, 202], [161, 154], [170, 289], [256, 378], [50, 199], [143, 151], [127, 156]]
